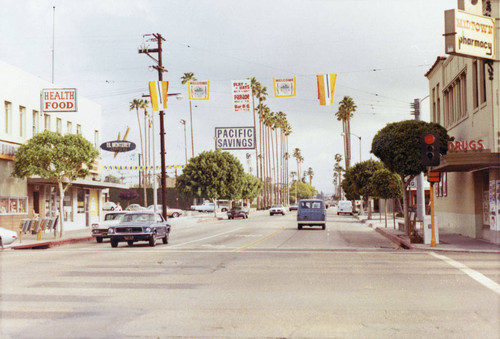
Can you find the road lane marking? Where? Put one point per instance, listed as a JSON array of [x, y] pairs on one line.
[[479, 277], [210, 237], [256, 242]]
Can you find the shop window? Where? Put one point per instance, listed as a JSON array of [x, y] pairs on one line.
[[13, 205], [22, 121], [79, 129], [8, 116], [59, 125], [81, 201], [96, 139], [455, 100], [35, 122], [69, 127], [46, 121]]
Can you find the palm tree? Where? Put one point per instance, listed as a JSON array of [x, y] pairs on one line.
[[136, 104], [310, 174], [189, 76], [299, 158], [344, 114], [338, 174]]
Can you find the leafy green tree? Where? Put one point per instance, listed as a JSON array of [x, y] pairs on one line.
[[60, 159], [304, 190], [359, 179], [213, 175], [397, 145], [251, 187], [386, 185]]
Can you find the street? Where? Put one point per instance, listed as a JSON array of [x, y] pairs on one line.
[[248, 278]]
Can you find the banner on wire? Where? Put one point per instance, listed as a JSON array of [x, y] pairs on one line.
[[242, 92], [326, 88], [284, 87], [199, 90], [158, 91]]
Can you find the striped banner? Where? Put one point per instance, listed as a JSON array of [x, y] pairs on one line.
[[158, 91], [125, 167], [326, 88]]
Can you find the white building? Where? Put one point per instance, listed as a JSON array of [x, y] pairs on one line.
[[21, 117], [464, 98]]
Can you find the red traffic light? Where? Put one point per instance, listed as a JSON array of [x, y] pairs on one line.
[[429, 139]]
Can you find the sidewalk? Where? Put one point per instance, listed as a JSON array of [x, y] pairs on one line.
[[450, 242]]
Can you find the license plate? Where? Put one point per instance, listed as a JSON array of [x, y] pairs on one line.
[[129, 237]]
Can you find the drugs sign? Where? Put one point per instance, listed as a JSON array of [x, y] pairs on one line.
[[59, 100], [233, 138]]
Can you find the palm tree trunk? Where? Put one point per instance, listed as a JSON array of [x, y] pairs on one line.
[[191, 123]]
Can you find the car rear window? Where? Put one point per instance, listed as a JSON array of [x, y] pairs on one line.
[[310, 204]]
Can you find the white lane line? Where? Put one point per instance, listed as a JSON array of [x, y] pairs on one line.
[[479, 277], [201, 239]]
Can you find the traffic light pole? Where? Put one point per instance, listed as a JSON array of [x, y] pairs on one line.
[[433, 230], [420, 177]]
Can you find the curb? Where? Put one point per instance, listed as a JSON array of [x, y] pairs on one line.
[[50, 244], [401, 242]]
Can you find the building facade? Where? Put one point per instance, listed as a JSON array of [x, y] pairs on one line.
[[464, 98], [21, 117]]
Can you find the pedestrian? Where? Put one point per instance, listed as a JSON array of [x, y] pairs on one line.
[[118, 206]]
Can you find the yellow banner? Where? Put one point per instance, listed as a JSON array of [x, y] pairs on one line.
[[158, 91]]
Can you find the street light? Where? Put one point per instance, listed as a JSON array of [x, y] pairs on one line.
[[185, 140], [343, 134]]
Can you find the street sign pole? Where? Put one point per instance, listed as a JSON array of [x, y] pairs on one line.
[[433, 233]]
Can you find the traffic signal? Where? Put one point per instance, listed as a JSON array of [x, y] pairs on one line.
[[429, 149]]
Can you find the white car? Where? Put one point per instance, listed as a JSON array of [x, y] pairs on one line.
[[171, 212], [277, 209], [7, 237], [108, 206], [100, 230]]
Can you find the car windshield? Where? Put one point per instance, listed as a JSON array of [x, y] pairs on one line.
[[136, 217], [276, 206], [113, 216]]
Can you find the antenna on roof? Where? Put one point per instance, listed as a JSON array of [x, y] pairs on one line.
[[53, 34]]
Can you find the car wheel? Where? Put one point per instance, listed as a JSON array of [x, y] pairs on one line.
[[114, 243], [130, 242], [299, 227], [98, 239], [152, 241], [175, 215], [338, 213], [165, 238], [323, 226]]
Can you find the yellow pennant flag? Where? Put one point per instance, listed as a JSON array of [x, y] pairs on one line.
[[158, 91], [326, 88]]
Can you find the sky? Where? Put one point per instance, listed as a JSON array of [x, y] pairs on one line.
[[380, 51]]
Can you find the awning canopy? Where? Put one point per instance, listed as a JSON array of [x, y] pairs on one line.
[[467, 161], [80, 182]]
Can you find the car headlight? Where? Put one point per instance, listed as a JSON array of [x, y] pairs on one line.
[[95, 225], [148, 229], [111, 230]]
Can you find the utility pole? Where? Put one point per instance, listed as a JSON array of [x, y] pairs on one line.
[[420, 178], [159, 67]]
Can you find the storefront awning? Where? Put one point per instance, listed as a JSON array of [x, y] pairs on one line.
[[467, 161], [81, 183]]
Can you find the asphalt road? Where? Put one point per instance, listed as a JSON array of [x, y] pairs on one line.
[[254, 278]]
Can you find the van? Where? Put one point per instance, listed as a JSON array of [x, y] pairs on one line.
[[344, 206], [311, 212]]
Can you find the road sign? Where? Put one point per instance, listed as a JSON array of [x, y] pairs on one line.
[[118, 146]]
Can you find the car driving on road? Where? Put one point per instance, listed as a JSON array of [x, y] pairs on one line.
[[277, 209], [311, 212], [237, 212], [171, 212], [140, 226]]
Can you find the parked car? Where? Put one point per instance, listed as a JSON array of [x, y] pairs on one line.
[[311, 212], [293, 207], [237, 212], [109, 206], [140, 226], [277, 209], [344, 206], [7, 236], [205, 207], [171, 212], [134, 207], [100, 229]]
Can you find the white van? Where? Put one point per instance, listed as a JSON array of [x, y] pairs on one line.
[[344, 206]]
